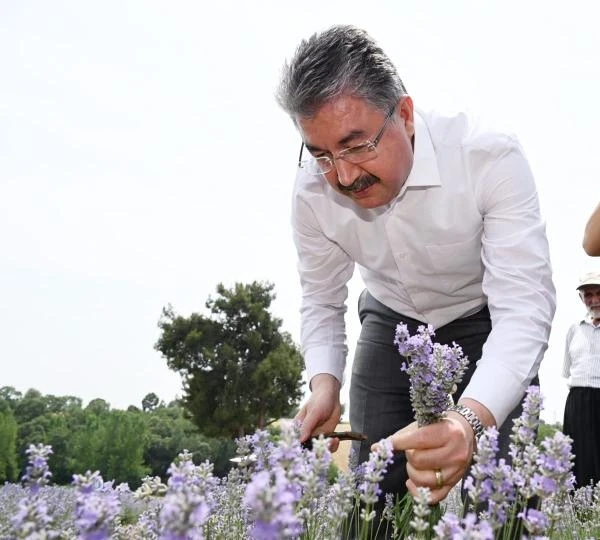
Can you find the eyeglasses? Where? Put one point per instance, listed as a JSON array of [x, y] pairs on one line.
[[355, 154]]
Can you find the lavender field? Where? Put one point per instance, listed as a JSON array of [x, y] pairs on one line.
[[280, 490]]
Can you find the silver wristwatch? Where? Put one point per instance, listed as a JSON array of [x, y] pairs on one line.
[[470, 416]]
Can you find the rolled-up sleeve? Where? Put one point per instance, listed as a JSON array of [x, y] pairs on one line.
[[517, 280], [324, 270], [566, 372]]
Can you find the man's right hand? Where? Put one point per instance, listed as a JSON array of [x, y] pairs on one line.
[[322, 412]]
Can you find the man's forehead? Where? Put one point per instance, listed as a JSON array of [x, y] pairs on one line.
[[589, 289], [340, 121]]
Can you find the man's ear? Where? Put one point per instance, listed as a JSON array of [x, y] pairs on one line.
[[407, 114]]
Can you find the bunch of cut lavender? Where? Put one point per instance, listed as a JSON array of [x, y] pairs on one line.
[[434, 371]]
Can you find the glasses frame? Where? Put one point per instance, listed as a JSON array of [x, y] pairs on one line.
[[368, 143]]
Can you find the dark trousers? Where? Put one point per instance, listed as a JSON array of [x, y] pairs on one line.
[[379, 390], [582, 423]]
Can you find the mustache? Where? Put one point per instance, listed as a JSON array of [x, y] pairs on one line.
[[362, 182]]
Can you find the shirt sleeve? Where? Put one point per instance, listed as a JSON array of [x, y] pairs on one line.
[[517, 279], [566, 372], [324, 269]]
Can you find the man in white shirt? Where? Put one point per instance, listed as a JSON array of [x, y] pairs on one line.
[[443, 221], [582, 367]]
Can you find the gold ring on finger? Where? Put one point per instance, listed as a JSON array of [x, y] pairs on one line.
[[439, 478]]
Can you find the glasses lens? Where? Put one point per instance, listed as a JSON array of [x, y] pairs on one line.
[[317, 166], [359, 154]]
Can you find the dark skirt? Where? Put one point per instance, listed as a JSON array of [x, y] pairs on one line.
[[582, 424]]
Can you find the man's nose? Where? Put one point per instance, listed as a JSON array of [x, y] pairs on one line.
[[346, 172]]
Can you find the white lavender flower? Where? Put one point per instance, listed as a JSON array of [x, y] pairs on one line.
[[152, 486], [421, 511]]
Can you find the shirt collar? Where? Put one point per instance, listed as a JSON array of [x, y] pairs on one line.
[[590, 321], [424, 172]]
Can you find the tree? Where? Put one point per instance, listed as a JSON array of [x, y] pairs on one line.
[[150, 402], [10, 395], [171, 431], [239, 369], [8, 446], [98, 406], [112, 442], [30, 406]]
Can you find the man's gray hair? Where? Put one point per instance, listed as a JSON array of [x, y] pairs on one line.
[[342, 60]]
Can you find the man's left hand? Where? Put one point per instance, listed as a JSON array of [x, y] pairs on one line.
[[438, 454]]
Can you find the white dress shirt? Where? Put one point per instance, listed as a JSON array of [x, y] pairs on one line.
[[464, 231], [582, 355]]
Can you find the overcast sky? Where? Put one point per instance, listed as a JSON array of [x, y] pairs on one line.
[[143, 160]]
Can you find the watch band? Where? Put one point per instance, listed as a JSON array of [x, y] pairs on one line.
[[470, 416]]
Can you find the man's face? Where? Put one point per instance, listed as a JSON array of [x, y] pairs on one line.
[[350, 121], [590, 294]]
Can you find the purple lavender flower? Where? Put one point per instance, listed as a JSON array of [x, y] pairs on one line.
[[479, 484], [259, 446], [229, 518], [271, 499], [33, 518], [373, 471], [312, 480], [523, 450], [556, 462], [535, 522], [555, 479], [450, 527], [189, 499], [339, 501], [433, 369], [96, 507], [37, 473]]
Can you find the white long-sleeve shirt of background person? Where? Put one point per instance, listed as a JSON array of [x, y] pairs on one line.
[[582, 355], [464, 231]]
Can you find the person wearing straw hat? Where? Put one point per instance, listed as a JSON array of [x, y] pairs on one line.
[[582, 368]]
